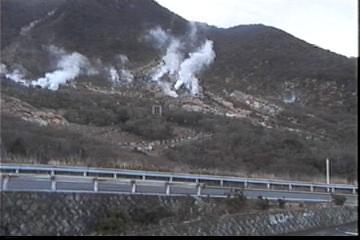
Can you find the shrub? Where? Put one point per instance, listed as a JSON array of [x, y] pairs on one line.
[[18, 147], [339, 200], [31, 141], [262, 204], [184, 117], [282, 203], [146, 216], [94, 116], [150, 128], [236, 203]]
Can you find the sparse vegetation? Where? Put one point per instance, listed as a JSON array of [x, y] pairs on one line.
[[262, 204], [236, 202], [185, 118], [149, 128], [338, 199], [131, 219], [234, 143], [117, 221], [263, 150], [281, 203]]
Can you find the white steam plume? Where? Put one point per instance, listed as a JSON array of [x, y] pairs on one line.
[[18, 77], [3, 69], [179, 71], [69, 67], [123, 59], [166, 87], [193, 65], [114, 76], [171, 61], [159, 36], [127, 75], [117, 77], [193, 32]]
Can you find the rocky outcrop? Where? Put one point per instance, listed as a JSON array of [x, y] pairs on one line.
[[256, 104], [27, 112], [145, 146]]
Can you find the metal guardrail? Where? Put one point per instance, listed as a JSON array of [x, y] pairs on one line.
[[177, 177]]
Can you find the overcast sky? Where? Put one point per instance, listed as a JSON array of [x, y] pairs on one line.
[[329, 24]]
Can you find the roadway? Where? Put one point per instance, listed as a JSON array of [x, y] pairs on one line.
[[48, 183]]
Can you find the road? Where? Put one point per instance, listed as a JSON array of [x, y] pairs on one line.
[[46, 183]]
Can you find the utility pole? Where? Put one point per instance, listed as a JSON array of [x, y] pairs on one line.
[[327, 171]]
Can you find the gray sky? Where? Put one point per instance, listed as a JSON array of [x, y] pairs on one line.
[[329, 24]]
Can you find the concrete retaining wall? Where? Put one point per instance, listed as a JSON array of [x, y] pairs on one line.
[[261, 225], [79, 214]]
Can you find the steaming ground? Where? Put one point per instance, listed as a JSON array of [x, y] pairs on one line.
[[179, 67], [180, 70], [68, 68]]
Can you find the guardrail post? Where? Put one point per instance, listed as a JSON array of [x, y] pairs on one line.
[[354, 191], [17, 171], [115, 176], [96, 185], [311, 188], [167, 188], [52, 173], [198, 186], [53, 184], [221, 182], [290, 187], [327, 189], [268, 185], [333, 190], [143, 177], [245, 184], [85, 174], [5, 182], [133, 186], [171, 179]]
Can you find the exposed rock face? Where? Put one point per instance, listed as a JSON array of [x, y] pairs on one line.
[[29, 113], [257, 104], [217, 106]]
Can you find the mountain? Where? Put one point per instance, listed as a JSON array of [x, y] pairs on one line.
[[95, 28], [256, 58], [258, 97], [267, 61]]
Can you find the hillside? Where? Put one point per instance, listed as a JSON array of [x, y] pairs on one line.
[[79, 80]]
